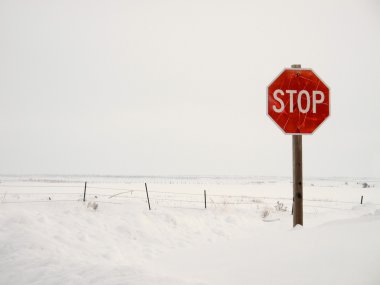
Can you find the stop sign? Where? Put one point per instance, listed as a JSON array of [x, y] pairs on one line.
[[298, 101]]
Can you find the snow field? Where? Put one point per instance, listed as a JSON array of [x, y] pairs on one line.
[[63, 241]]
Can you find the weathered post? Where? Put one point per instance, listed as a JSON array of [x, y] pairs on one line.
[[205, 199], [297, 176], [297, 180], [147, 195], [361, 201], [84, 194]]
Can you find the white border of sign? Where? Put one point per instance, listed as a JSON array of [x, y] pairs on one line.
[[267, 103]]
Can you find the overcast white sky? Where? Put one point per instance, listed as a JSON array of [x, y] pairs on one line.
[[179, 87]]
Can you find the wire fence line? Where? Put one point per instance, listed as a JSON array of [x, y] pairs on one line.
[[110, 188], [39, 186], [36, 201], [255, 199], [166, 199]]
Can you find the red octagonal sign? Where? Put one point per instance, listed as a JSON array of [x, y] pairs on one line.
[[298, 101]]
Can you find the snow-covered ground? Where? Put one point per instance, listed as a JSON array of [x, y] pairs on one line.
[[48, 235]]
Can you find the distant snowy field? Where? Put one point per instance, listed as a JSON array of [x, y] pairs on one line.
[[48, 235]]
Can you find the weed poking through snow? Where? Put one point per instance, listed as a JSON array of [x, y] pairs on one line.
[[92, 205]]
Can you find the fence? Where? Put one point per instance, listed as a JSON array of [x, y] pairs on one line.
[[156, 199]]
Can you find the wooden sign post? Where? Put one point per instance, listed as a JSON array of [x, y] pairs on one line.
[[297, 176]]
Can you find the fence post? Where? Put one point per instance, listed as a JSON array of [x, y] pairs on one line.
[[205, 199], [84, 194], [361, 201], [147, 195], [297, 181]]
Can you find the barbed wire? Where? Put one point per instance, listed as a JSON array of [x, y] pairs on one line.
[[36, 201], [157, 197], [111, 188], [177, 193], [130, 191], [39, 186], [254, 198], [121, 198], [176, 200], [120, 202], [232, 203], [41, 193]]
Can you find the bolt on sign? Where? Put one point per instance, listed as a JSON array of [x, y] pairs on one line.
[[298, 101]]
